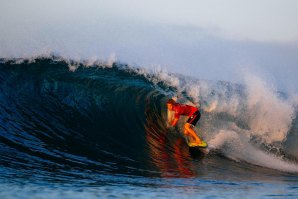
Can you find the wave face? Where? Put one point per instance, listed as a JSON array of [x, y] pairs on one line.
[[92, 118], [63, 121]]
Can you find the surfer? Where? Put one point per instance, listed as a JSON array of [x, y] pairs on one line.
[[193, 114]]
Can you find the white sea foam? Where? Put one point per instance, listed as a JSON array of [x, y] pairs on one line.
[[237, 147], [267, 118]]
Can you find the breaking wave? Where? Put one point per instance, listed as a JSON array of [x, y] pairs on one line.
[[59, 116]]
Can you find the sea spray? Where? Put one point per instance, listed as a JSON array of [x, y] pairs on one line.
[[237, 147], [269, 117], [242, 119]]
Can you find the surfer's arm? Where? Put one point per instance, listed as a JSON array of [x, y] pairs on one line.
[[175, 120]]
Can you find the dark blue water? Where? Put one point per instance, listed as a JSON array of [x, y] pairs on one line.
[[101, 131]]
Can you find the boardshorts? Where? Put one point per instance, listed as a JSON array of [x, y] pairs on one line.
[[194, 118]]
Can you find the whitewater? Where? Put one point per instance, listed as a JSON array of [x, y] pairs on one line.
[[93, 128]]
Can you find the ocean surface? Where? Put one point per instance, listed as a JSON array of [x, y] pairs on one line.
[[72, 129]]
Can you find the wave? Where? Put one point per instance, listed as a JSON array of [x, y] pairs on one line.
[[60, 115]]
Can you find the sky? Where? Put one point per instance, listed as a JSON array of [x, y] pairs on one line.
[[212, 39]]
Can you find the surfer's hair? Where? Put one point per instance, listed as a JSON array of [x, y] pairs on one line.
[[171, 101]]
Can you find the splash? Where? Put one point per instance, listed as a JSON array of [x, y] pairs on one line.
[[238, 147], [270, 117], [242, 120], [258, 106]]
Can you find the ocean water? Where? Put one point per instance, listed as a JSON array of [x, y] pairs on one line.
[[84, 129]]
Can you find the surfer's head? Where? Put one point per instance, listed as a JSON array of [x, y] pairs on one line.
[[170, 104]]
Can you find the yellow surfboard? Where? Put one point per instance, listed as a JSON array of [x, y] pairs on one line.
[[203, 144], [190, 143]]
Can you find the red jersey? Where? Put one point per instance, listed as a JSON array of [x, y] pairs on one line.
[[182, 109]]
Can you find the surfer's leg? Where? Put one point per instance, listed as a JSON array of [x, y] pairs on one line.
[[189, 131], [192, 121]]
